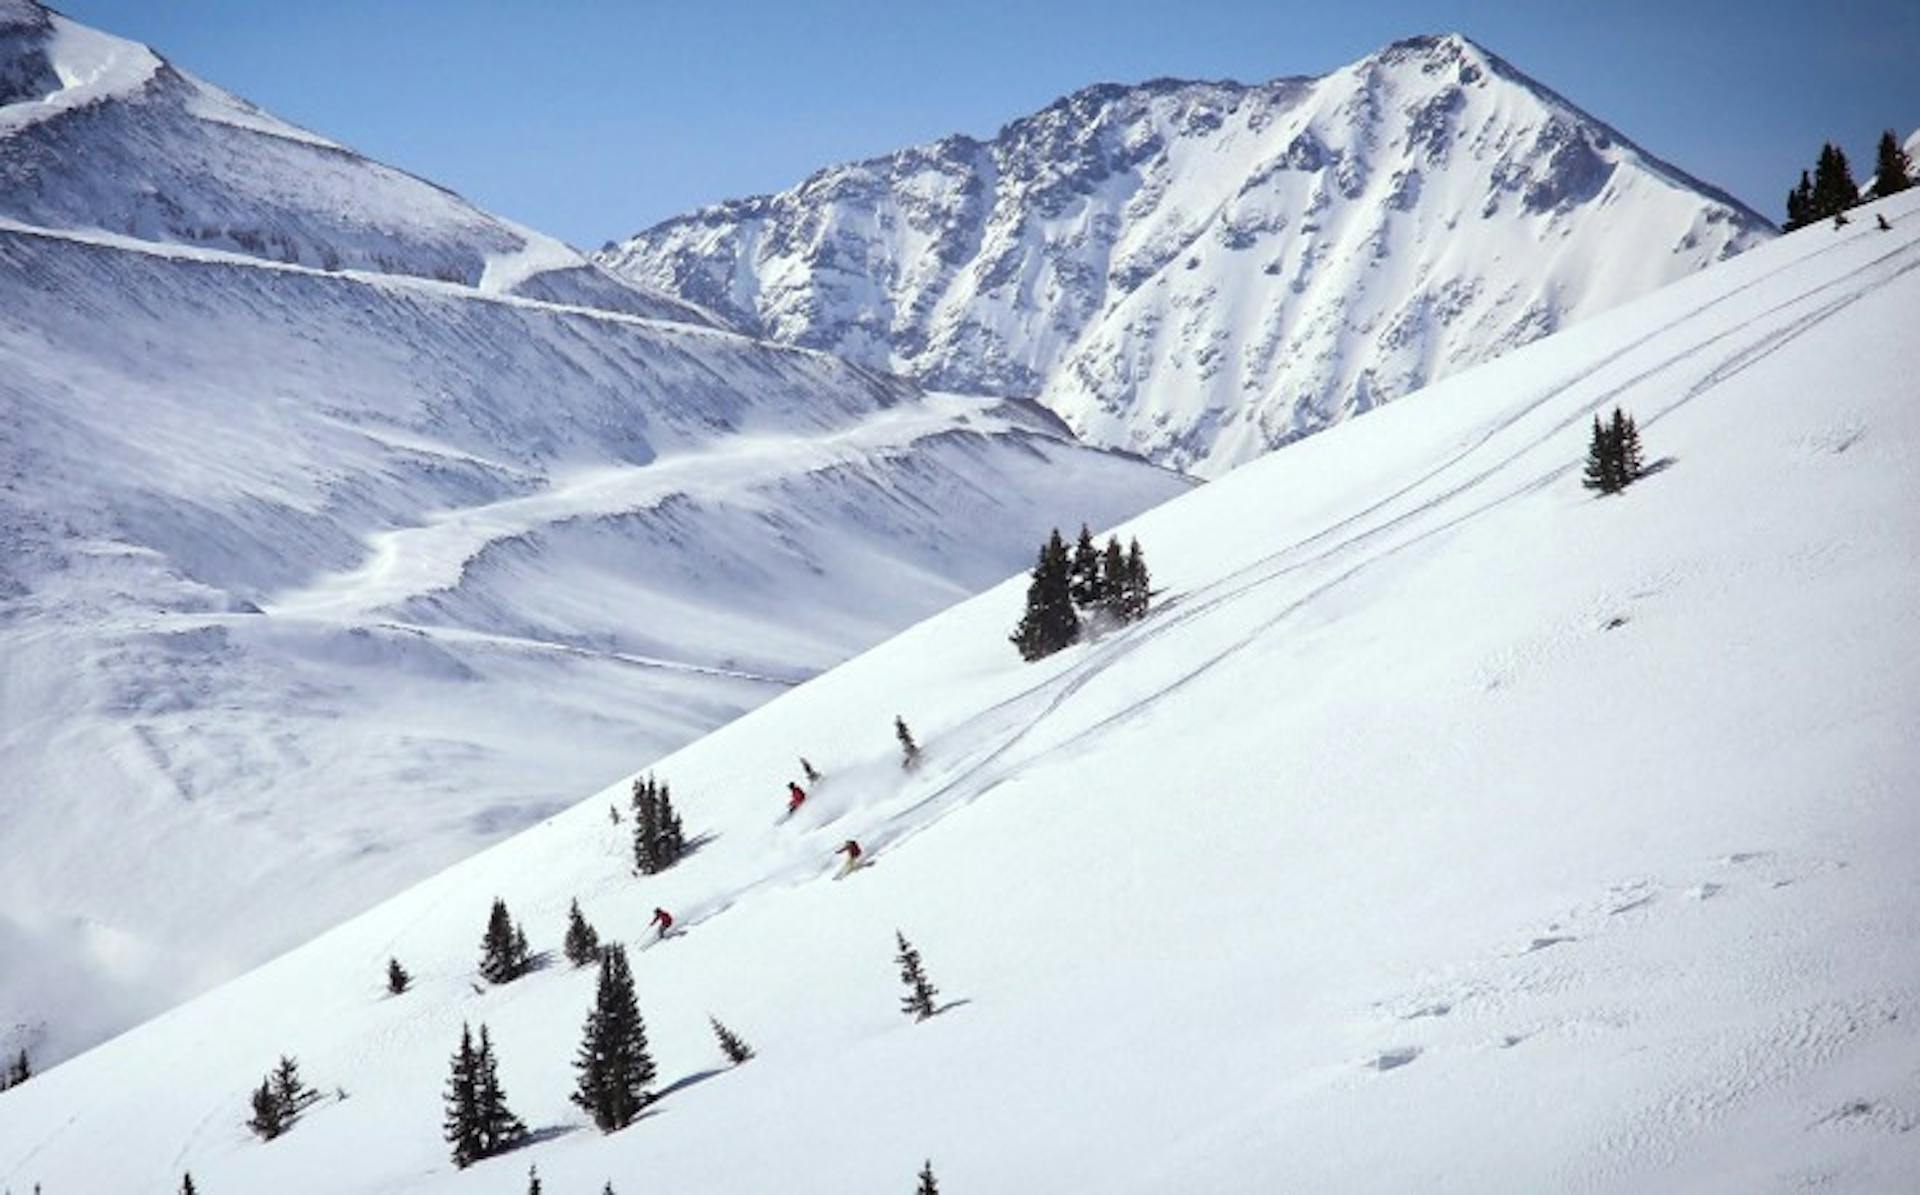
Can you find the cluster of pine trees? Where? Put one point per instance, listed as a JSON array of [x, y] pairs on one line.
[[279, 1100], [614, 1067], [478, 1122], [1830, 190], [1614, 459], [504, 956], [1087, 583], [657, 840]]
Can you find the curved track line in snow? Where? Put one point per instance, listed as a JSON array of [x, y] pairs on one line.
[[412, 561]]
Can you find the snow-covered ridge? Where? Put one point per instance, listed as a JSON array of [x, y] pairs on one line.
[[1559, 842], [1200, 271], [99, 132]]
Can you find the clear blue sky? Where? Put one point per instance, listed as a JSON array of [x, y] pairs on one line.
[[591, 119]]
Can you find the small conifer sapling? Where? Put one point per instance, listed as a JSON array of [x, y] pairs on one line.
[[918, 1002], [582, 945], [731, 1044], [927, 1184], [398, 980]]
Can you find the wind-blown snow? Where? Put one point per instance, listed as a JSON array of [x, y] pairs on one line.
[[1203, 271], [1444, 828]]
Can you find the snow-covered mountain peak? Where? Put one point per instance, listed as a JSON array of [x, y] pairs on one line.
[[102, 134], [1200, 271]]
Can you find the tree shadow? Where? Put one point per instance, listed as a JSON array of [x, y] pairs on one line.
[[1659, 466], [679, 1085], [962, 1002], [541, 1136]]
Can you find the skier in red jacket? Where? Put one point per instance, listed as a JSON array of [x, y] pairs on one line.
[[663, 920], [795, 796]]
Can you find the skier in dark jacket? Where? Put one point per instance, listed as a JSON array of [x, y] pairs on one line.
[[795, 797], [663, 920], [851, 850]]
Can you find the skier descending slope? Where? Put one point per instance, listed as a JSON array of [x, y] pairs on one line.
[[663, 921], [851, 850], [796, 796]]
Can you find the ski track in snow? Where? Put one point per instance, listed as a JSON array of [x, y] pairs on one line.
[[410, 562]]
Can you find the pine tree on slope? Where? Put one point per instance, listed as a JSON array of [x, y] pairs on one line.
[[269, 1118], [462, 1125], [613, 1064], [1601, 473], [927, 1184], [503, 949], [289, 1088], [500, 1129], [18, 1072], [736, 1050], [1049, 622], [533, 1180], [1627, 453], [397, 978], [1139, 584], [1800, 204], [1834, 190], [1893, 171], [186, 1184], [658, 841], [1113, 580], [582, 944], [1085, 584], [918, 1002]]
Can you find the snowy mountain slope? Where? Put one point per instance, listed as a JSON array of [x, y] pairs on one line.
[[1203, 271], [317, 581], [97, 132], [1444, 828]]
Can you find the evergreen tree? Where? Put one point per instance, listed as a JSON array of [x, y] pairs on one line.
[[1139, 585], [1892, 171], [1800, 204], [293, 1093], [1113, 580], [613, 1064], [1085, 584], [918, 1002], [18, 1071], [736, 1050], [1628, 459], [500, 1129], [186, 1184], [269, 1118], [533, 1180], [1600, 473], [1834, 190], [503, 949], [909, 750], [658, 841], [397, 978], [462, 1125], [582, 944], [1049, 622], [927, 1185]]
